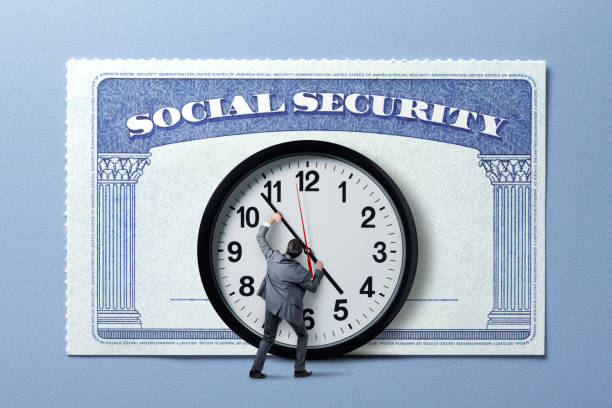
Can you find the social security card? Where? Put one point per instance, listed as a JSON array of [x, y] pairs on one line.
[[149, 141]]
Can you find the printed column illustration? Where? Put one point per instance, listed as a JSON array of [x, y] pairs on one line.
[[510, 176], [117, 178]]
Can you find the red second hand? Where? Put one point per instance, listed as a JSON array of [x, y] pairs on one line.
[[304, 229]]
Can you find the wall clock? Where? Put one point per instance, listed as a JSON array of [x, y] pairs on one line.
[[357, 222]]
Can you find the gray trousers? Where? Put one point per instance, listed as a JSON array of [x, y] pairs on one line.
[[270, 327]]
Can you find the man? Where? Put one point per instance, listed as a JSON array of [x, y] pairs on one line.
[[283, 290]]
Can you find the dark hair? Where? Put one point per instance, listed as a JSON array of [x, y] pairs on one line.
[[294, 248]]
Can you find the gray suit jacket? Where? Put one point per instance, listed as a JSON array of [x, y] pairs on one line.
[[285, 283]]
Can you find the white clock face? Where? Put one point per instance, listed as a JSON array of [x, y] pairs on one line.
[[351, 224]]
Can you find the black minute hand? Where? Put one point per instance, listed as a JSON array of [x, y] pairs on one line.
[[312, 255]]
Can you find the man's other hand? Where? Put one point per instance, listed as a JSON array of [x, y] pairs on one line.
[[319, 265], [275, 218]]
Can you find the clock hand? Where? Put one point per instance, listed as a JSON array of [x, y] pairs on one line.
[[304, 230], [312, 255]]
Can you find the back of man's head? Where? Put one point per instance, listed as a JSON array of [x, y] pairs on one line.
[[294, 248]]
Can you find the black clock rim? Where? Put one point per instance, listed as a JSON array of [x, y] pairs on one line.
[[211, 213]]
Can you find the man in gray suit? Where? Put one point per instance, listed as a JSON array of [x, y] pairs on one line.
[[283, 289]]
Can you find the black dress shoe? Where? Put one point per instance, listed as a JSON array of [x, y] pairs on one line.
[[256, 374], [303, 373]]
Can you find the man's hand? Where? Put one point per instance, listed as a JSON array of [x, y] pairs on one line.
[[319, 265], [275, 218]]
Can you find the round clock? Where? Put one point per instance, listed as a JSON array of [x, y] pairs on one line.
[[356, 221]]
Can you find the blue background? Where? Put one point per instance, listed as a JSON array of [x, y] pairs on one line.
[[574, 37]]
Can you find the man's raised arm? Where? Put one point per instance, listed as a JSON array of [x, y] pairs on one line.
[[265, 247]]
